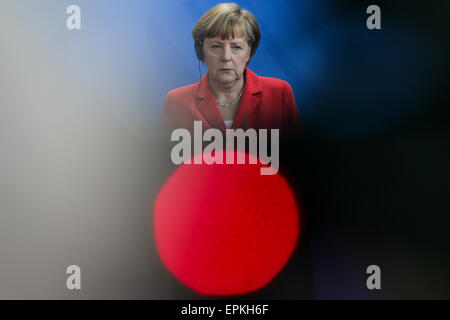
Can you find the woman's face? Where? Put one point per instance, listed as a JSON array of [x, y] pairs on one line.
[[226, 59]]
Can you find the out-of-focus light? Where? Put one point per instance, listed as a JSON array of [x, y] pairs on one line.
[[225, 229]]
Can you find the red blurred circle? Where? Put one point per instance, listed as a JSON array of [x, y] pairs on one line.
[[225, 229]]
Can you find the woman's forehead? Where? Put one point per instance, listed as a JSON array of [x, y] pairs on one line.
[[228, 32]]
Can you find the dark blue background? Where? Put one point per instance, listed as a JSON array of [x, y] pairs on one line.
[[373, 159]]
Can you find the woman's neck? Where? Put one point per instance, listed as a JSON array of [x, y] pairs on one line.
[[226, 93]]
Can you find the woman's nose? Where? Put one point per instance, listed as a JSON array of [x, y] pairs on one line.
[[226, 53]]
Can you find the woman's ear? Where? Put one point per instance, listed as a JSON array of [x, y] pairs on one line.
[[198, 47]]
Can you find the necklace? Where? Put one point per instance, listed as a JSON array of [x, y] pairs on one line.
[[226, 105]]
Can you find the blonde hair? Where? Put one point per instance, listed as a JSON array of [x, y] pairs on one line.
[[222, 21]]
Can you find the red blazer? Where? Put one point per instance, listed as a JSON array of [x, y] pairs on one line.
[[266, 103]]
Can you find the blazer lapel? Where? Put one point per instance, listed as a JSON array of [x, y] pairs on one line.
[[206, 104], [249, 100]]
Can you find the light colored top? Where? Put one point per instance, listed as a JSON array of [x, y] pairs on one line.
[[228, 123]]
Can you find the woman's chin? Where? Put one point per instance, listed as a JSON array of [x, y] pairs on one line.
[[227, 78]]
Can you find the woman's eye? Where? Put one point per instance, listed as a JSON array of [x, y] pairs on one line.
[[237, 48], [216, 46]]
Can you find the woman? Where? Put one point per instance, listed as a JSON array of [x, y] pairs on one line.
[[230, 95]]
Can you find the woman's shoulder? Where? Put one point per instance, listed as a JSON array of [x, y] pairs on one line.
[[274, 83], [270, 83], [182, 92]]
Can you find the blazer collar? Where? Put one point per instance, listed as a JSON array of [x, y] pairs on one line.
[[249, 101]]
